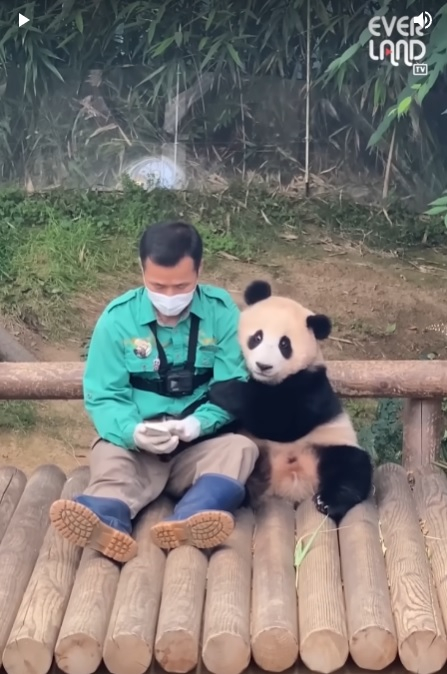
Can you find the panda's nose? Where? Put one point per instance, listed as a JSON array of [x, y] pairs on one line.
[[263, 367]]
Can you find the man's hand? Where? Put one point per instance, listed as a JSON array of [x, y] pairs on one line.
[[187, 429], [155, 437]]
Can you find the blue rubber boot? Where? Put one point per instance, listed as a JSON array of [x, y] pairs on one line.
[[111, 511], [204, 515], [103, 524]]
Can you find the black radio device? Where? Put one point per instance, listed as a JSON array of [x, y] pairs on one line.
[[175, 381]]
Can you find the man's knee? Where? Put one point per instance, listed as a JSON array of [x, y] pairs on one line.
[[232, 455], [246, 452], [229, 455]]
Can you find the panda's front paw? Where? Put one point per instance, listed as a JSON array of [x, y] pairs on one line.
[[320, 504]]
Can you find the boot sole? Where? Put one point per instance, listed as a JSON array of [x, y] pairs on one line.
[[82, 527], [204, 530]]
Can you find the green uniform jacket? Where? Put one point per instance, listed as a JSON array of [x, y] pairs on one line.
[[122, 344]]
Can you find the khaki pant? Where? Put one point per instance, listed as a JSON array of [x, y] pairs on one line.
[[137, 478]]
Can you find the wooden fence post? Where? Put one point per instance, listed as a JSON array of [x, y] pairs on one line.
[[423, 430]]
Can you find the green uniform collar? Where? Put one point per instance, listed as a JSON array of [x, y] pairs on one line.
[[147, 312]]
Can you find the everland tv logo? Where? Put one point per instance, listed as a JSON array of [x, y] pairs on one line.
[[409, 49]]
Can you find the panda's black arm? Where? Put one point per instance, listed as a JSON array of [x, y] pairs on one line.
[[230, 395]]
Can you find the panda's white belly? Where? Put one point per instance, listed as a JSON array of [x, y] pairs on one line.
[[294, 474]]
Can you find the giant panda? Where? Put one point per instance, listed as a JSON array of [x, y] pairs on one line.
[[308, 446]]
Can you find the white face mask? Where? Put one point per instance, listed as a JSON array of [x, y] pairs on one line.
[[170, 305]]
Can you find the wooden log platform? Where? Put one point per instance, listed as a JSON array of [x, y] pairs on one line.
[[366, 596]]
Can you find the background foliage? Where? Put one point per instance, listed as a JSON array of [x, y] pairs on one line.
[[87, 85]]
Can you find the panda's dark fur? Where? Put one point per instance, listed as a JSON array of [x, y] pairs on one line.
[[308, 447]]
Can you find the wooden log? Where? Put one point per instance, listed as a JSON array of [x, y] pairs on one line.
[[389, 379], [361, 379], [420, 632], [12, 351], [180, 618], [41, 381], [423, 423], [82, 635], [274, 626], [33, 637], [430, 494], [12, 484], [322, 627], [226, 628], [371, 630], [130, 638], [22, 541]]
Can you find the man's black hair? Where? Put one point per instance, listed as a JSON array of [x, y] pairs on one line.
[[166, 243]]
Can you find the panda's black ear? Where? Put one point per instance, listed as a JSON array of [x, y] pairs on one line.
[[257, 291], [320, 324]]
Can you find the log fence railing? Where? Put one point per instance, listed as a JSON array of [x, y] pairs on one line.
[[423, 385]]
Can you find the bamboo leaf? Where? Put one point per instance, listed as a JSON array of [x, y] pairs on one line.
[[436, 210], [210, 20], [302, 550], [11, 31], [346, 56], [79, 22], [212, 51], [383, 127], [151, 31], [235, 56], [47, 63], [404, 105], [163, 46], [365, 37], [441, 201], [66, 41], [152, 75]]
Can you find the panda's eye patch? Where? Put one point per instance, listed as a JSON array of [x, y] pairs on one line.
[[285, 347], [255, 340]]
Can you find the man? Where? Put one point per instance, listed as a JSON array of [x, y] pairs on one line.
[[154, 353]]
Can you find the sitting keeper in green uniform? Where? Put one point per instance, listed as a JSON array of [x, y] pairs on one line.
[[154, 353]]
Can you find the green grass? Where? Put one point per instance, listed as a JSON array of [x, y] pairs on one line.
[[65, 242], [17, 415]]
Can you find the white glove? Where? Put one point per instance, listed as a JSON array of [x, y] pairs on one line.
[[155, 437], [187, 429]]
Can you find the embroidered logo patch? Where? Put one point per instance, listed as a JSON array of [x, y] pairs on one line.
[[207, 341], [208, 348], [141, 348]]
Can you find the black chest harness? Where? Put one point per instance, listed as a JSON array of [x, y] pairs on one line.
[[177, 381], [174, 381]]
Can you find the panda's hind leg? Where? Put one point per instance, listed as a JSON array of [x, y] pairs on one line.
[[345, 476]]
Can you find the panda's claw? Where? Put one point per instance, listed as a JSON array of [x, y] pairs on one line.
[[320, 505]]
